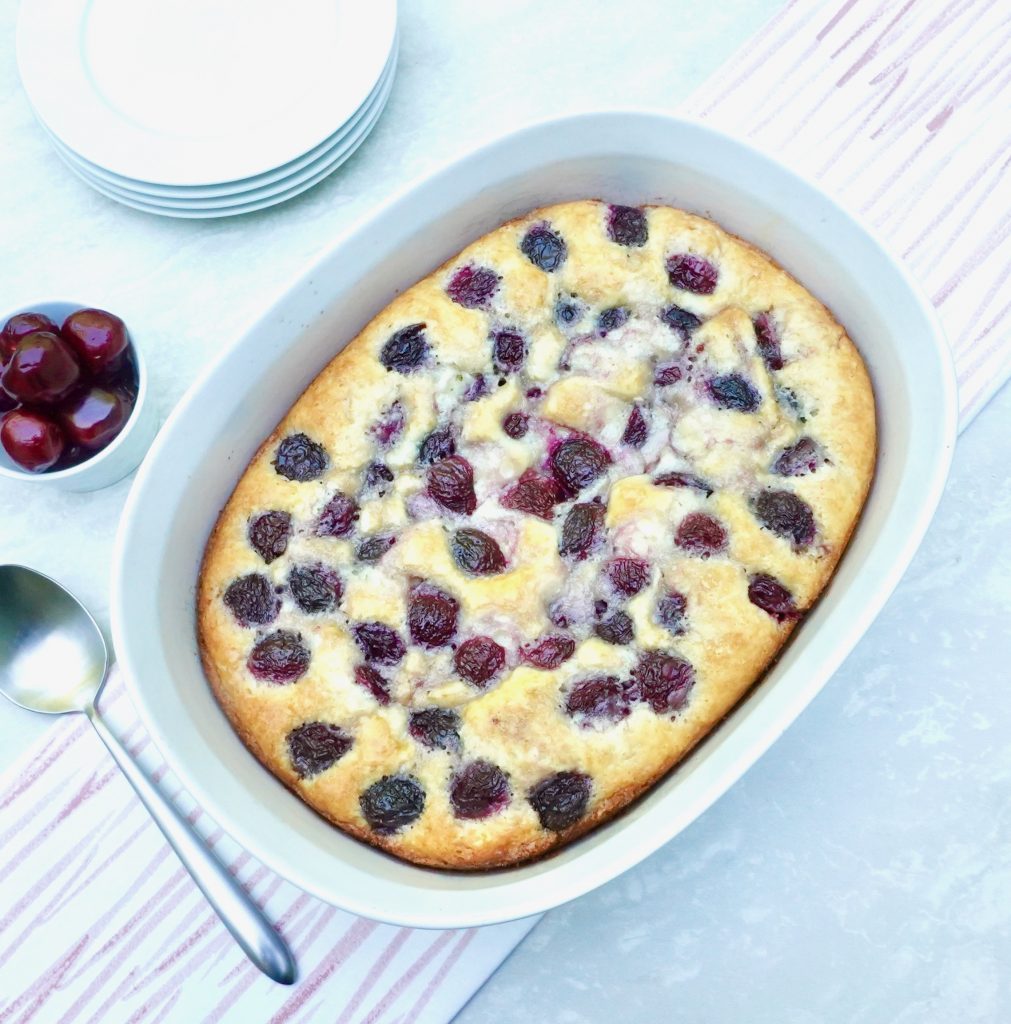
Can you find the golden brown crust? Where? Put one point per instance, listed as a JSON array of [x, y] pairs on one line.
[[589, 379]]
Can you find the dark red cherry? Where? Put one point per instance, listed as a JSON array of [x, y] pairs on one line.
[[767, 339], [477, 553], [316, 746], [280, 657], [786, 515], [663, 681], [628, 575], [680, 321], [300, 458], [549, 652], [670, 612], [252, 600], [667, 375], [561, 800], [43, 369], [269, 533], [371, 549], [611, 319], [436, 729], [7, 402], [598, 699], [369, 679], [431, 616], [438, 445], [392, 803], [451, 485], [516, 425], [18, 326], [390, 425], [379, 643], [479, 660], [405, 350], [732, 391], [636, 429], [32, 440], [616, 629], [692, 273], [338, 516], [472, 287], [479, 790], [534, 494], [98, 337], [315, 588], [701, 534], [799, 459], [627, 225], [577, 462], [544, 247], [582, 530], [679, 479], [767, 593], [93, 418], [509, 350]]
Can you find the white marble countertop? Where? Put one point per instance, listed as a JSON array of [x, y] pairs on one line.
[[861, 872]]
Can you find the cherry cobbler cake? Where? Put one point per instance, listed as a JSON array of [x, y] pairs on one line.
[[535, 531]]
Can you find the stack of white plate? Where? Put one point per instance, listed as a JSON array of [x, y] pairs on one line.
[[206, 108]]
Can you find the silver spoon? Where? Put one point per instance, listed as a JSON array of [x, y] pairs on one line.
[[53, 659]]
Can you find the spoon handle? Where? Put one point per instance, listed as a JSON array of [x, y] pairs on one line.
[[238, 913]]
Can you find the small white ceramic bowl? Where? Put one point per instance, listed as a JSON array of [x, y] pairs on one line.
[[128, 447]]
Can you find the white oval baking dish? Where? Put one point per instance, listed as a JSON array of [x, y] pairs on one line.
[[626, 157]]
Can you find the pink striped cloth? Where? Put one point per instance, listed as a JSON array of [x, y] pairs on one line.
[[902, 108]]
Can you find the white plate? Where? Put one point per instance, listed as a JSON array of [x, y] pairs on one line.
[[201, 451], [243, 202], [151, 191], [196, 93]]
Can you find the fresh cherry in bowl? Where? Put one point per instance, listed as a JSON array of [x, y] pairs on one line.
[[66, 391]]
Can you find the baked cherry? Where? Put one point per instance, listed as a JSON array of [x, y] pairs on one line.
[[405, 350], [338, 516], [371, 549], [438, 445], [798, 459], [544, 247], [636, 429], [269, 533], [479, 790], [561, 799], [252, 600], [93, 418], [300, 458], [479, 660], [315, 588], [767, 593], [97, 336], [616, 629], [379, 643], [670, 612], [280, 657], [316, 746], [663, 681], [516, 425], [692, 273], [680, 321], [42, 370], [436, 729], [582, 530], [627, 225], [577, 462], [786, 515], [767, 339], [32, 440], [534, 494], [477, 553], [611, 319], [390, 425], [476, 389], [472, 287], [733, 391], [508, 350], [18, 326], [431, 616], [627, 575], [598, 699], [549, 652], [392, 803], [700, 534], [678, 479], [667, 375], [451, 485], [377, 477], [369, 679]]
